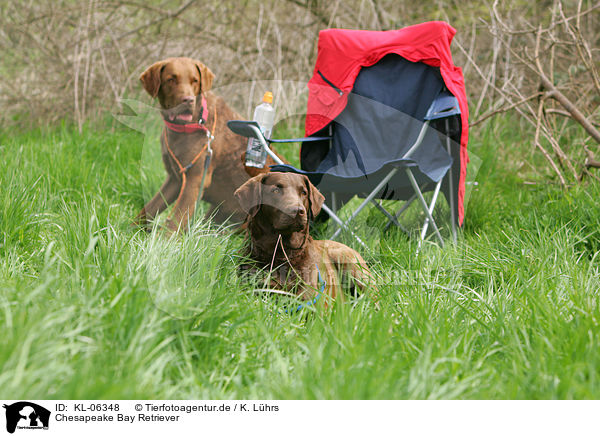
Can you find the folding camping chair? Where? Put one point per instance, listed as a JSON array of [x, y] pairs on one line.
[[394, 131]]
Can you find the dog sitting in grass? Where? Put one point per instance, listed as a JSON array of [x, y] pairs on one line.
[[191, 113], [280, 207]]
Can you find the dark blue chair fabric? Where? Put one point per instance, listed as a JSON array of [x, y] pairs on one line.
[[381, 121]]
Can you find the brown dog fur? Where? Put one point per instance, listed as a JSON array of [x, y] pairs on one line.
[[280, 207], [178, 84]]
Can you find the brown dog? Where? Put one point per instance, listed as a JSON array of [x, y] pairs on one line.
[[182, 85], [279, 208]]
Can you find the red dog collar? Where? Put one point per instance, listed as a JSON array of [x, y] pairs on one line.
[[191, 127]]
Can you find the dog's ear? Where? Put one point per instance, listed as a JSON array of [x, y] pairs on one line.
[[151, 77], [315, 198], [249, 195], [206, 76]]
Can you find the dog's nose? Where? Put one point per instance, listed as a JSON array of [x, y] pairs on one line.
[[299, 211], [188, 99]]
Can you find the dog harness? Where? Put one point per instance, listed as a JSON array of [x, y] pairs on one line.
[[191, 128]]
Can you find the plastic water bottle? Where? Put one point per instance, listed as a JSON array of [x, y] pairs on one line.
[[264, 115]]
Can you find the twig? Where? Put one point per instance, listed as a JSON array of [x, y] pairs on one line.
[[590, 161], [504, 109], [583, 49], [557, 95], [538, 144]]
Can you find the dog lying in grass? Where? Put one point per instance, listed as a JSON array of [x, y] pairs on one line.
[[280, 207]]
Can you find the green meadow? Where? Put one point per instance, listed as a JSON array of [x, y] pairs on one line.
[[93, 308]]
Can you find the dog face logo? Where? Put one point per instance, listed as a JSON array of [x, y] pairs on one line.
[[26, 415]]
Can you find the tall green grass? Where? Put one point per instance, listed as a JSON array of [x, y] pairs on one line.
[[90, 307]]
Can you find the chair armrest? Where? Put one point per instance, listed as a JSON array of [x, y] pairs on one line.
[[251, 129], [306, 139], [444, 105]]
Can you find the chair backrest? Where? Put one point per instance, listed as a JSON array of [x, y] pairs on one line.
[[381, 121]]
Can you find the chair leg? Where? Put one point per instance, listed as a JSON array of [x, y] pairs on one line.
[[342, 225], [371, 196], [334, 206], [431, 207], [424, 204], [392, 219], [451, 185]]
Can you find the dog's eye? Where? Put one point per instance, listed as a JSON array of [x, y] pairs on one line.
[[303, 192], [194, 80], [275, 190]]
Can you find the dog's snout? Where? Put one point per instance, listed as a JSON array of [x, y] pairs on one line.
[[188, 99], [296, 211]]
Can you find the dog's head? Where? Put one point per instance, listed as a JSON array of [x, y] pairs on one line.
[[284, 201], [177, 82]]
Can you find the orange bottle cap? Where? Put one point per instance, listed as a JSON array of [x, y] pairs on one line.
[[268, 97]]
